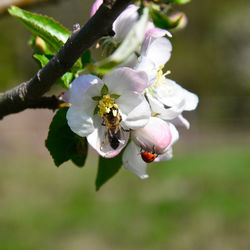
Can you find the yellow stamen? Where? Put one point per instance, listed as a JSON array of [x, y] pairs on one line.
[[160, 76], [106, 104]]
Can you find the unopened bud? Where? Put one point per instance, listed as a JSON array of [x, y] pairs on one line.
[[40, 44], [155, 137], [183, 22]]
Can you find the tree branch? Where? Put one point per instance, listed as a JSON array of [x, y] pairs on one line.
[[45, 102], [24, 95]]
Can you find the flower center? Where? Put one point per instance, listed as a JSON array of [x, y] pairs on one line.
[[161, 76], [106, 104]]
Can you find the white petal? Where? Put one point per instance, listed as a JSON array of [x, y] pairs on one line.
[[124, 22], [191, 100], [126, 79], [99, 141], [166, 156], [181, 121], [163, 112], [134, 109], [79, 86], [131, 61], [132, 161], [79, 122], [66, 95], [148, 66], [172, 94], [157, 50]]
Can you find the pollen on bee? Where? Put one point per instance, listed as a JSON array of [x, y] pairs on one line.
[[106, 104], [114, 111]]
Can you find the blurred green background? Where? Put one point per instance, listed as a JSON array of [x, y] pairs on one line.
[[198, 200]]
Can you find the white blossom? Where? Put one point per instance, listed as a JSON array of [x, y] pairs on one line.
[[157, 138], [119, 93]]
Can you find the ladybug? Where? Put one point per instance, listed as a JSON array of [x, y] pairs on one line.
[[148, 157]]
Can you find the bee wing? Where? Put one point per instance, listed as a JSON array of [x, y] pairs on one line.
[[105, 140], [123, 135]]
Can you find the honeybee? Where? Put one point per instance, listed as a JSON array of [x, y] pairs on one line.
[[114, 131]]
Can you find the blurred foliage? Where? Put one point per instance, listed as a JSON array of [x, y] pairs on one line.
[[199, 200]]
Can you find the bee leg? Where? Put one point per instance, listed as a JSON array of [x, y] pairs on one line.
[[154, 152], [102, 144]]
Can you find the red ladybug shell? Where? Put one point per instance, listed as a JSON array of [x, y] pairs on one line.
[[148, 157]]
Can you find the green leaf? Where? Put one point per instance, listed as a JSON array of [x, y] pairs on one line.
[[128, 46], [77, 66], [162, 21], [115, 96], [96, 98], [63, 144], [67, 78], [107, 168], [96, 110], [45, 27], [104, 90], [86, 58], [42, 59]]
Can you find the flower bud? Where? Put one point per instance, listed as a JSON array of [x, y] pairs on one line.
[[40, 44], [155, 137], [183, 22]]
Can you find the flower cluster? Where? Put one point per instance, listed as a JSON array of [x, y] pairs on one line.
[[138, 103]]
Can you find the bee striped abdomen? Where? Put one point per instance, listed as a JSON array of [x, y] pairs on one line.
[[114, 137]]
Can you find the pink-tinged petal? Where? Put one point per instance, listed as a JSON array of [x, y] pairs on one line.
[[150, 25], [165, 156], [99, 140], [148, 66], [154, 137], [126, 79], [95, 7], [157, 32], [79, 122], [79, 86], [134, 109], [181, 121], [158, 50], [174, 133], [125, 21], [133, 162]]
